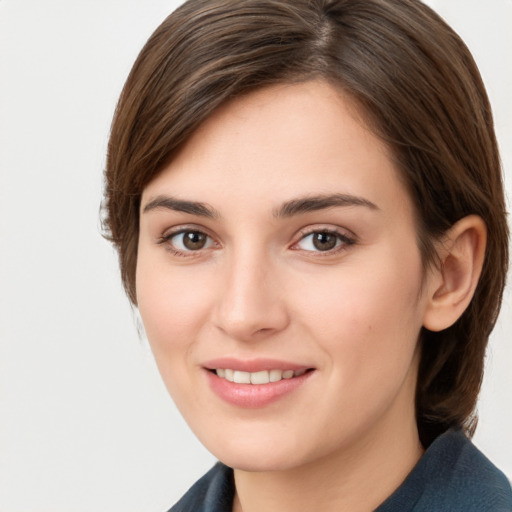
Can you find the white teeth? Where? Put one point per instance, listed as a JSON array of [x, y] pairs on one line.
[[242, 377], [262, 377], [275, 375]]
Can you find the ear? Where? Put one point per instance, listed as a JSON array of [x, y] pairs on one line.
[[451, 285]]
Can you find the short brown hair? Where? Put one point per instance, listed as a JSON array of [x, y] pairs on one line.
[[420, 91]]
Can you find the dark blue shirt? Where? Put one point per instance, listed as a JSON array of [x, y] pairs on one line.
[[452, 476]]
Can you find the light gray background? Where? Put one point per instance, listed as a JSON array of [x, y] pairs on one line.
[[85, 423]]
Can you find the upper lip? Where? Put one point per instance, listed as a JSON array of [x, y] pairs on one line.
[[253, 365]]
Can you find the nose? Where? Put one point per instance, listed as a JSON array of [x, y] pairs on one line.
[[251, 302]]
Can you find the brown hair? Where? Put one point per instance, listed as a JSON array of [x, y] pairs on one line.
[[421, 92]]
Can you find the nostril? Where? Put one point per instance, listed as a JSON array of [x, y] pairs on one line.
[[263, 330]]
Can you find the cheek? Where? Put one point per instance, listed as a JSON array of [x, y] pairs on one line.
[[367, 329], [172, 305], [173, 310], [368, 320]]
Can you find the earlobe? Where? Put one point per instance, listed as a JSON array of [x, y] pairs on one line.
[[453, 283]]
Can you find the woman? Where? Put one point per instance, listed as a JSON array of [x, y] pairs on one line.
[[307, 203]]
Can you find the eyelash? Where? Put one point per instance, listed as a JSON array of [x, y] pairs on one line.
[[342, 242], [167, 238]]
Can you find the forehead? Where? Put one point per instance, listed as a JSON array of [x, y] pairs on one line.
[[281, 142]]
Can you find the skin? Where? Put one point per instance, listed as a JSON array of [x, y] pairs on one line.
[[347, 437]]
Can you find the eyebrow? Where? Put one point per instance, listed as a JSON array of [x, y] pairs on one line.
[[321, 202], [180, 205], [288, 209]]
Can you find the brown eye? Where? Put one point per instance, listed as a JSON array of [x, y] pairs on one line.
[[324, 241], [194, 240], [188, 241]]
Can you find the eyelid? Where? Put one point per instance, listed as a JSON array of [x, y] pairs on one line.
[[169, 234], [347, 238]]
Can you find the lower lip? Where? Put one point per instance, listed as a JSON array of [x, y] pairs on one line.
[[253, 396]]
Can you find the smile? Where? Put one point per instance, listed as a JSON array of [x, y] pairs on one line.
[[258, 388], [261, 377]]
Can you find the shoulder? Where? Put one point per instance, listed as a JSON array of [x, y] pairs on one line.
[[470, 479], [211, 493], [453, 475]]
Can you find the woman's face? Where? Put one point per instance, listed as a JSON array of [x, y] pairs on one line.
[[280, 241]]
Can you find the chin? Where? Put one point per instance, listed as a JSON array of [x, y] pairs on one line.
[[258, 455], [262, 463], [262, 455]]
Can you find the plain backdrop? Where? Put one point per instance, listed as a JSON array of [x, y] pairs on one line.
[[85, 423]]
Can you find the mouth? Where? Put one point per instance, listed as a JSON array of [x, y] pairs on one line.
[[259, 377], [255, 384]]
